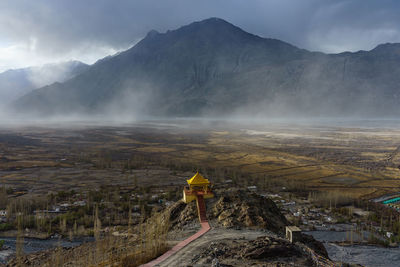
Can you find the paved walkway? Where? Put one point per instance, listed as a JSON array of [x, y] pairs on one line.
[[205, 227]]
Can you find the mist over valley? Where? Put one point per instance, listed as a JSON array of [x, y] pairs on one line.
[[235, 133], [213, 68]]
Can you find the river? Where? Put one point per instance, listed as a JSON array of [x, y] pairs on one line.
[[32, 245], [371, 256]]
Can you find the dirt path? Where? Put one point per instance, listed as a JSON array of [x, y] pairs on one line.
[[184, 256]]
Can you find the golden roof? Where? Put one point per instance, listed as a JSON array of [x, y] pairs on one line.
[[197, 179]]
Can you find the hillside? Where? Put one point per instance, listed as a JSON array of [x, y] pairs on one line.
[[247, 230], [15, 83], [212, 67]]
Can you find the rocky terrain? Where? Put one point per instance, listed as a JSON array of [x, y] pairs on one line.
[[233, 208], [269, 251], [247, 230], [212, 67]]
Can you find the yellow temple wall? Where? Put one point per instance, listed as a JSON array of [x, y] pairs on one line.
[[190, 197]]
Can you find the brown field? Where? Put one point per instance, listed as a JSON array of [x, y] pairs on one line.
[[361, 161]]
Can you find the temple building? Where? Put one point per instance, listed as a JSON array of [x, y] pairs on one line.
[[198, 186], [199, 189]]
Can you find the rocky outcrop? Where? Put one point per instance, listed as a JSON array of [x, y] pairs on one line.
[[313, 244], [181, 214], [240, 208], [263, 251], [268, 247], [233, 208]]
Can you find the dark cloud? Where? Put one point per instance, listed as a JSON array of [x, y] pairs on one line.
[[53, 28]]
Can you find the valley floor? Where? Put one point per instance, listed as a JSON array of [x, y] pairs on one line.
[[149, 162], [361, 161]]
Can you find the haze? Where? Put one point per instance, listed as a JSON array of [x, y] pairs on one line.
[[47, 31], [285, 114]]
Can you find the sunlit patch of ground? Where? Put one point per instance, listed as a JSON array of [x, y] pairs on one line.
[[361, 161], [155, 149]]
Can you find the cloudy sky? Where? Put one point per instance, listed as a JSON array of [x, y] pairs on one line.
[[34, 32]]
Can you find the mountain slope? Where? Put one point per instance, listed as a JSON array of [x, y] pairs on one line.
[[212, 67], [17, 82]]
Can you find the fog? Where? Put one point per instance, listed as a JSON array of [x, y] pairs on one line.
[[48, 74], [115, 116], [137, 105], [310, 88], [251, 82], [15, 83]]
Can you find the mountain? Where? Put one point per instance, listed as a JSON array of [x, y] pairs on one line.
[[212, 67], [15, 83]]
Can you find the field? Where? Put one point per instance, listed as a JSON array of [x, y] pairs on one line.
[[361, 161]]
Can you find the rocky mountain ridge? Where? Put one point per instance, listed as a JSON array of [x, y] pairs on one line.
[[213, 68]]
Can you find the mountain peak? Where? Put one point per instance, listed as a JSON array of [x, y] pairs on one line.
[[214, 67], [152, 33], [387, 47], [213, 20], [212, 33], [211, 30], [211, 23]]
